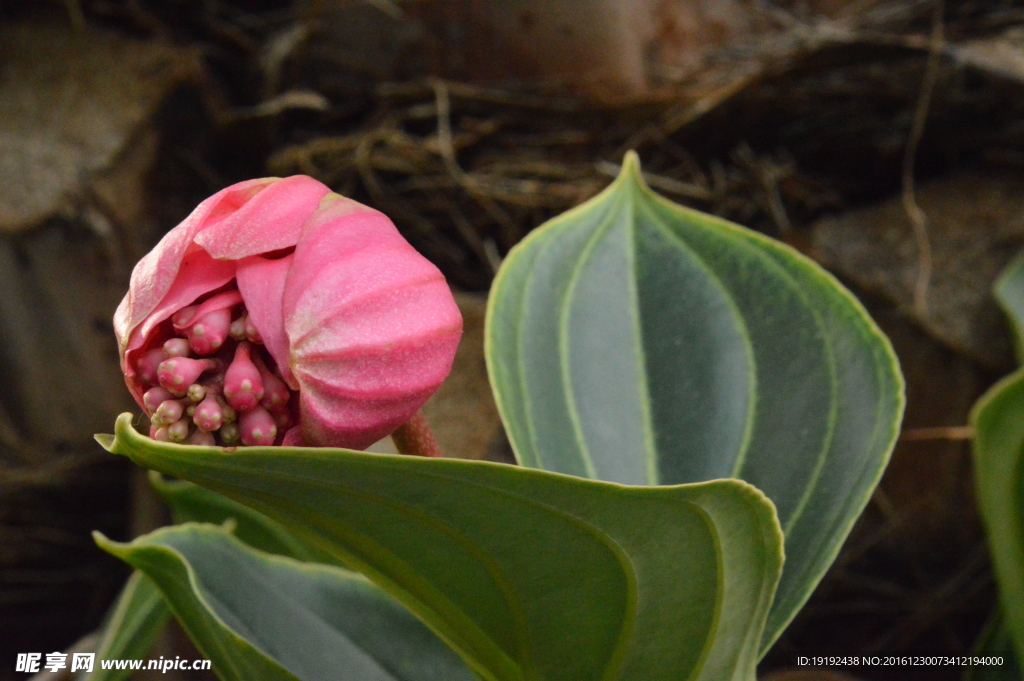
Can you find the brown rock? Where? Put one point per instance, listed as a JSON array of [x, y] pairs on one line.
[[72, 103], [975, 226]]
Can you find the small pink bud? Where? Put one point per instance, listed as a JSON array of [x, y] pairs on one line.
[[282, 419], [275, 392], [176, 347], [160, 434], [229, 433], [251, 333], [209, 332], [182, 317], [191, 315], [202, 438], [178, 373], [230, 415], [178, 431], [168, 412], [195, 393], [237, 329], [149, 364], [154, 397], [293, 438], [242, 383], [208, 415], [256, 427]]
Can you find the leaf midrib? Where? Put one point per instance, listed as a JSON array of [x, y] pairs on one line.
[[563, 309]]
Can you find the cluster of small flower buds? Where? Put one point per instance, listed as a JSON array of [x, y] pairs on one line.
[[213, 382]]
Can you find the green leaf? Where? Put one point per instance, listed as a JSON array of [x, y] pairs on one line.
[[260, 616], [998, 420], [191, 503], [528, 575], [637, 341], [140, 613], [1009, 291], [138, 617]]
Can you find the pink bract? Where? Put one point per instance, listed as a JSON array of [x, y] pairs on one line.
[[349, 316]]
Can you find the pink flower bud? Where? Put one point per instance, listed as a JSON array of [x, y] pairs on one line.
[[208, 414], [176, 347], [243, 385], [206, 325], [251, 332], [357, 327], [282, 419], [148, 366], [229, 433], [237, 328], [275, 392], [195, 393], [182, 317], [154, 397], [257, 427], [201, 437], [168, 412], [178, 373], [230, 415], [293, 438], [178, 431], [209, 332]]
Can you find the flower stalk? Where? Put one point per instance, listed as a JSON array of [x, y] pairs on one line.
[[415, 438]]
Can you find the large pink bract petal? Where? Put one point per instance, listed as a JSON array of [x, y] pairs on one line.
[[268, 222], [154, 275], [371, 324], [261, 282], [245, 219]]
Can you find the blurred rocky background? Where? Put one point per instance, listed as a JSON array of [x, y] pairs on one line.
[[884, 138]]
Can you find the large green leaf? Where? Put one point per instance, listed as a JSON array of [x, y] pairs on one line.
[[529, 575], [261, 616], [998, 421], [191, 503], [637, 341], [133, 625], [141, 611]]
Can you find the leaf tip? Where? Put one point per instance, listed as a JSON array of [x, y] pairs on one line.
[[105, 543], [631, 169], [123, 430], [631, 162]]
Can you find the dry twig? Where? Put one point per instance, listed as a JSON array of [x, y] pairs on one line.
[[917, 217]]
